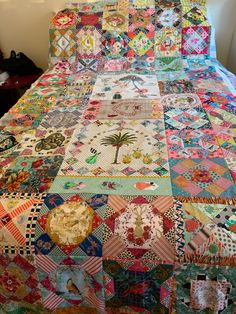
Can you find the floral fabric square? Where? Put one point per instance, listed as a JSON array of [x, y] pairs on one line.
[[175, 87], [168, 42], [30, 174], [18, 280]]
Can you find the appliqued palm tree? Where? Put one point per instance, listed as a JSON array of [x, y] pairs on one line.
[[117, 141], [134, 79]]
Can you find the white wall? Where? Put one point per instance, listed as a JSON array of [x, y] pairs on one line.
[[232, 55], [223, 14], [24, 27]]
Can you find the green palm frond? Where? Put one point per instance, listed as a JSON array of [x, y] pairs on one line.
[[119, 139], [132, 78]]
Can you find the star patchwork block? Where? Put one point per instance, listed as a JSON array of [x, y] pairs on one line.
[[64, 20], [169, 16], [114, 44], [71, 281], [197, 287], [137, 284], [63, 43], [209, 230], [116, 16], [89, 42], [201, 177], [167, 42], [194, 14], [189, 118], [195, 40], [18, 280], [18, 215], [70, 225], [141, 44], [192, 144], [139, 227]]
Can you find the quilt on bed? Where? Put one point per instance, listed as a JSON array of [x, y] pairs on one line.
[[118, 169]]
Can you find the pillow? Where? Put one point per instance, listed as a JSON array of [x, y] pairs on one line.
[[131, 30]]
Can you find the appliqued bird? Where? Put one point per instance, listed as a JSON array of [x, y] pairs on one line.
[[71, 287]]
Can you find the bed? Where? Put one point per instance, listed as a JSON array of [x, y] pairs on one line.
[[118, 168]]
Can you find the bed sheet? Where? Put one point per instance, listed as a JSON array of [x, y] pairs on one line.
[[118, 168]]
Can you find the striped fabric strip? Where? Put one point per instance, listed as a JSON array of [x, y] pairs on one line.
[[94, 300], [113, 247], [15, 232], [45, 263], [52, 301], [164, 249], [163, 203], [117, 202], [22, 208], [92, 265], [202, 236]]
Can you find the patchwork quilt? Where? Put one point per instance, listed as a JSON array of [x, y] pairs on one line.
[[118, 168]]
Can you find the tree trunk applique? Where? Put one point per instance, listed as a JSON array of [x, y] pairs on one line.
[[117, 141]]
